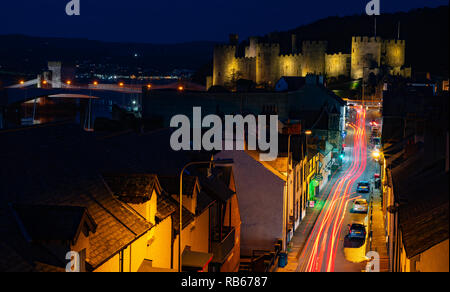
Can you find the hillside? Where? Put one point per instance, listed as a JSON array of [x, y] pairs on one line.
[[425, 31]]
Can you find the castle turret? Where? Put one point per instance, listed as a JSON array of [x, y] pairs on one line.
[[224, 63], [314, 57], [267, 63], [250, 51], [393, 53], [366, 55]]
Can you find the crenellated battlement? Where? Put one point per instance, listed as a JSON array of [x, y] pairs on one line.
[[394, 42], [246, 58], [268, 45], [314, 44], [290, 55], [365, 39], [340, 54]]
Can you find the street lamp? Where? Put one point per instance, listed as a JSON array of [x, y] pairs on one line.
[[211, 162], [376, 154]]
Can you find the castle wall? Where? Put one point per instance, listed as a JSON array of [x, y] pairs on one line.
[[246, 68], [313, 57], [366, 53], [290, 65], [337, 65], [264, 65], [394, 53]]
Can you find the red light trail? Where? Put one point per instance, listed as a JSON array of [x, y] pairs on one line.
[[321, 248]]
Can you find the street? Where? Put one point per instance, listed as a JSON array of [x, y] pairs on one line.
[[327, 249]]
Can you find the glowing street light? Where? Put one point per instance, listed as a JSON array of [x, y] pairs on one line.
[[121, 84], [149, 86], [68, 82], [95, 83], [180, 88], [22, 82], [308, 132], [376, 154]]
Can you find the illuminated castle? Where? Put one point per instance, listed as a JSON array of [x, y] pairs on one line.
[[265, 65]]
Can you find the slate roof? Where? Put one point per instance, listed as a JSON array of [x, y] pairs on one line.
[[165, 207], [133, 188], [294, 83], [171, 184], [424, 204], [58, 165]]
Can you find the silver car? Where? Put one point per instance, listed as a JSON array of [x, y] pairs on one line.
[[360, 206]]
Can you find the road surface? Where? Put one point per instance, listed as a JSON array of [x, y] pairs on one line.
[[327, 249]]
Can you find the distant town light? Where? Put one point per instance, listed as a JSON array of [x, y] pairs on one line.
[[44, 82], [95, 83], [22, 82], [149, 86], [68, 82], [308, 132], [180, 88], [121, 84]]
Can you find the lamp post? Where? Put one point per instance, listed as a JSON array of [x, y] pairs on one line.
[[211, 162]]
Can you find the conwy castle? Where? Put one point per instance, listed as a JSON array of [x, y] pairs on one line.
[[265, 65]]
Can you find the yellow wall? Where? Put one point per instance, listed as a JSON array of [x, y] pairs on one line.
[[196, 235], [436, 259], [160, 239]]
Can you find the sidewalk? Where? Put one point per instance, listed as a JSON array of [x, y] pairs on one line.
[[303, 231], [378, 240]]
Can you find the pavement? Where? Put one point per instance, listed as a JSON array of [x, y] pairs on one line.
[[377, 242], [304, 230]]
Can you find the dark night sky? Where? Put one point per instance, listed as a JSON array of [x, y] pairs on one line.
[[170, 21]]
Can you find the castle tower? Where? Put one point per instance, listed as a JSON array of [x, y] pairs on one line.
[[250, 51], [224, 63], [393, 54], [267, 63], [366, 55], [313, 57]]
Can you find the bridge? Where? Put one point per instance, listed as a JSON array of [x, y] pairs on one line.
[[128, 96]]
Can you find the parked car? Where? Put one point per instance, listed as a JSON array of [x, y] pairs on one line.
[[357, 231], [360, 206], [363, 187]]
